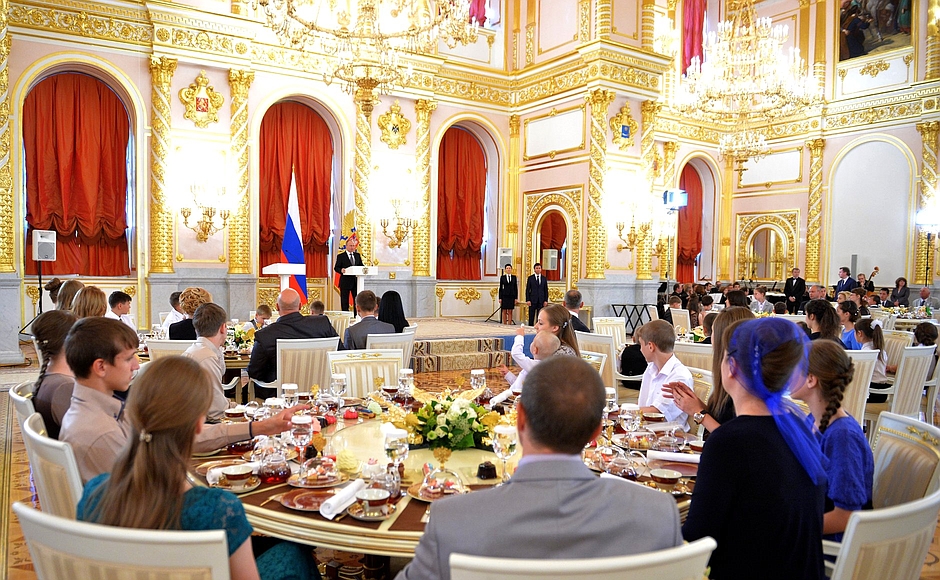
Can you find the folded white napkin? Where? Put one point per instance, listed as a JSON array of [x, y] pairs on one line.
[[215, 474], [500, 397], [341, 500], [670, 456], [657, 427]]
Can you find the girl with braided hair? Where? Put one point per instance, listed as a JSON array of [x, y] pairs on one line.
[[52, 394], [851, 466], [868, 334]]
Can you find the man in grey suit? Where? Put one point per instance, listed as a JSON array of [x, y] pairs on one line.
[[366, 306], [554, 506]]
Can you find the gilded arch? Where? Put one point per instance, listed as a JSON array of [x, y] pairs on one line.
[[785, 223], [567, 202]]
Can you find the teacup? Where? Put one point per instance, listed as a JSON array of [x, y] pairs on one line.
[[697, 446], [665, 478], [235, 413], [654, 417], [237, 476], [374, 501]]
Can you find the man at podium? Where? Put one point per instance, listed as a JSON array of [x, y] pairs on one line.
[[346, 259]]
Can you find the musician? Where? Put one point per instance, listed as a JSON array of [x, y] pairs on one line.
[[868, 285]]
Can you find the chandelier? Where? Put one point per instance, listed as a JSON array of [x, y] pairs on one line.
[[746, 78], [366, 38]]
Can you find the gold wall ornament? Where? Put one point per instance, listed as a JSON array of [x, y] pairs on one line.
[[669, 163], [494, 292], [239, 235], [649, 111], [813, 220], [99, 21], [421, 243], [468, 294], [929, 170], [624, 127], [361, 171], [202, 101], [161, 219], [932, 68], [584, 21], [394, 127], [7, 228], [555, 294], [566, 200], [130, 290], [873, 69], [529, 44], [785, 223], [33, 293], [600, 100], [439, 292], [602, 23]]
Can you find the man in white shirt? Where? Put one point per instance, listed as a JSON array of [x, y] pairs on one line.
[[210, 321], [657, 340], [120, 303], [175, 315]]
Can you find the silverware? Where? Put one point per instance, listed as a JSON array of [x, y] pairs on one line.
[[275, 497]]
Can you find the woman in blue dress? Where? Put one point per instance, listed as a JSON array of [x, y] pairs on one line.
[[148, 487], [851, 466]]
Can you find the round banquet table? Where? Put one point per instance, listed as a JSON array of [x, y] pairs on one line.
[[909, 324]]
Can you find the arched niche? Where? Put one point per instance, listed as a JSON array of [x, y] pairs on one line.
[[537, 207], [710, 177], [767, 245], [552, 232]]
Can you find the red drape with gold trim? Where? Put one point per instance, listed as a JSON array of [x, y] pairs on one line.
[[75, 135], [461, 195], [689, 239], [693, 25], [552, 236], [294, 138]]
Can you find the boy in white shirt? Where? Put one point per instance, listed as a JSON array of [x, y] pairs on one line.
[[657, 340], [120, 303]]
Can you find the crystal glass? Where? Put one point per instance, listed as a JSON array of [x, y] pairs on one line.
[[338, 387], [477, 379], [301, 430], [406, 383], [610, 395], [630, 417], [387, 480], [505, 441], [234, 322], [289, 392], [396, 446]]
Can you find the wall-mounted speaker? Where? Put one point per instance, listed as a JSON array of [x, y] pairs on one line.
[[44, 245], [549, 259], [505, 257]]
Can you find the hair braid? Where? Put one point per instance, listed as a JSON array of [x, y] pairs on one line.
[[833, 370], [834, 402]]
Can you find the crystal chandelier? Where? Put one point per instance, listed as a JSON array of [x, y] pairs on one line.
[[365, 38], [746, 78]]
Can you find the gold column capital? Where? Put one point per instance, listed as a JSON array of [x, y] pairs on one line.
[[514, 125], [816, 146], [239, 81], [239, 233], [650, 110], [421, 246], [599, 99], [162, 69]]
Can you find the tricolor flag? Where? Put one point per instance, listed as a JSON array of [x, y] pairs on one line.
[[292, 251]]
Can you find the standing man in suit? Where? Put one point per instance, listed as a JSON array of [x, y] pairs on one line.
[[794, 290], [347, 259], [553, 507], [366, 306], [290, 324], [574, 303], [846, 281], [536, 292], [508, 293]]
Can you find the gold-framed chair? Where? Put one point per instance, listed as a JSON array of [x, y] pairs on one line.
[[856, 393], [904, 395], [703, 383], [681, 318], [22, 395], [340, 319], [157, 349], [366, 370], [895, 342], [55, 471], [694, 354], [615, 326], [598, 360], [405, 340]]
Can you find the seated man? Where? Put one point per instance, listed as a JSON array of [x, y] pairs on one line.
[[367, 306], [102, 354], [176, 313], [553, 507], [211, 323], [657, 340], [120, 308], [885, 296], [290, 324], [816, 292], [926, 300], [317, 308]]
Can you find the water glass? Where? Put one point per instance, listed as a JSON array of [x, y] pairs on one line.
[[505, 441], [289, 392], [396, 446], [338, 387], [630, 417], [301, 430], [477, 379], [610, 395]]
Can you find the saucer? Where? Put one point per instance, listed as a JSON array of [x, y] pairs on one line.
[[306, 500], [418, 492], [251, 484], [296, 481], [204, 468], [357, 512]]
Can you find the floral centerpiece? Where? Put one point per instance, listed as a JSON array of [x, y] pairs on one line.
[[447, 420], [240, 339], [698, 334]]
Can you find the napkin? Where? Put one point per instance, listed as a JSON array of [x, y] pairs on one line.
[[670, 456], [215, 474], [657, 427], [500, 397], [341, 500]]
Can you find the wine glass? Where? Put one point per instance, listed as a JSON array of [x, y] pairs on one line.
[[477, 379], [396, 446], [301, 430], [338, 387], [406, 383], [630, 417], [289, 392], [505, 440]]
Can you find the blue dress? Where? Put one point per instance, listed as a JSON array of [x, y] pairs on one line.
[[848, 339], [215, 509], [851, 467]]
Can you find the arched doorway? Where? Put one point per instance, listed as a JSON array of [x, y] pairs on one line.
[[553, 245], [461, 205]]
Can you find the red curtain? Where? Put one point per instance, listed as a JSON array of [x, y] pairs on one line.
[[75, 135], [295, 139], [552, 236], [478, 11], [689, 239], [693, 24], [461, 194]]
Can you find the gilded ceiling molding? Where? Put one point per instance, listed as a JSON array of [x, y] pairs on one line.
[[161, 220], [870, 114], [421, 240], [786, 222], [7, 229], [362, 164], [569, 202], [932, 67], [394, 127], [596, 259], [928, 189], [813, 220], [86, 19], [584, 21], [239, 233], [202, 101]]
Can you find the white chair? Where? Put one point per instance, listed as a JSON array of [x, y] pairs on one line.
[[604, 343], [230, 387], [887, 543], [895, 342], [681, 318], [366, 370], [615, 326], [890, 321], [163, 316], [791, 317], [856, 393], [693, 354], [55, 471], [340, 320], [683, 562], [62, 548], [931, 400], [597, 360], [907, 460], [702, 383], [652, 311], [904, 396], [157, 349], [22, 395], [304, 361], [405, 340]]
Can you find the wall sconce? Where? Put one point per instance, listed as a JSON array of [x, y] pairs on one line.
[[403, 226], [634, 238], [206, 225]]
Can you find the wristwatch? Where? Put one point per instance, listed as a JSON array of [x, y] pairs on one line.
[[699, 417]]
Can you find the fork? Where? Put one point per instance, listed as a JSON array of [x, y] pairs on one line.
[[275, 497]]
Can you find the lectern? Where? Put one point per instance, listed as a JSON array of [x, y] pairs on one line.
[[284, 271], [361, 273]]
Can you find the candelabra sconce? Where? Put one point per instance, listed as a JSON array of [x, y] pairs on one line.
[[662, 250], [403, 227], [634, 238], [206, 226], [780, 264], [751, 261]]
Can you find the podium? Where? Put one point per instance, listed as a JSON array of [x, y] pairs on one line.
[[284, 271], [361, 273]]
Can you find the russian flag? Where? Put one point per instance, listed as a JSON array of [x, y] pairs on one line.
[[292, 251]]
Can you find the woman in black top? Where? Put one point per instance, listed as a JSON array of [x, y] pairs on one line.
[[901, 294], [508, 293], [391, 310]]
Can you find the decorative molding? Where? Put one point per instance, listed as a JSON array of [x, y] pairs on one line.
[[421, 241], [555, 294], [394, 127], [362, 163], [529, 44], [468, 294], [239, 234], [813, 221], [873, 69], [7, 223], [33, 293], [785, 222], [87, 20], [161, 220], [929, 170], [439, 292], [624, 119], [602, 23], [584, 21], [599, 100], [202, 102], [569, 201]]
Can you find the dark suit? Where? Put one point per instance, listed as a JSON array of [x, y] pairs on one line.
[[508, 292], [536, 294], [577, 324], [549, 509], [845, 285], [795, 288], [347, 284], [182, 330], [869, 286], [357, 333], [263, 363]]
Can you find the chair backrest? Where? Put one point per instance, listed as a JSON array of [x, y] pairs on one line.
[[888, 543], [22, 395], [694, 355], [895, 342], [62, 548], [366, 370], [856, 393], [340, 320], [683, 562], [890, 321], [303, 361], [907, 460], [55, 471], [878, 314], [615, 326], [163, 316], [910, 378], [791, 317], [681, 318], [602, 344], [702, 383], [652, 311], [405, 340], [597, 360], [160, 348]]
